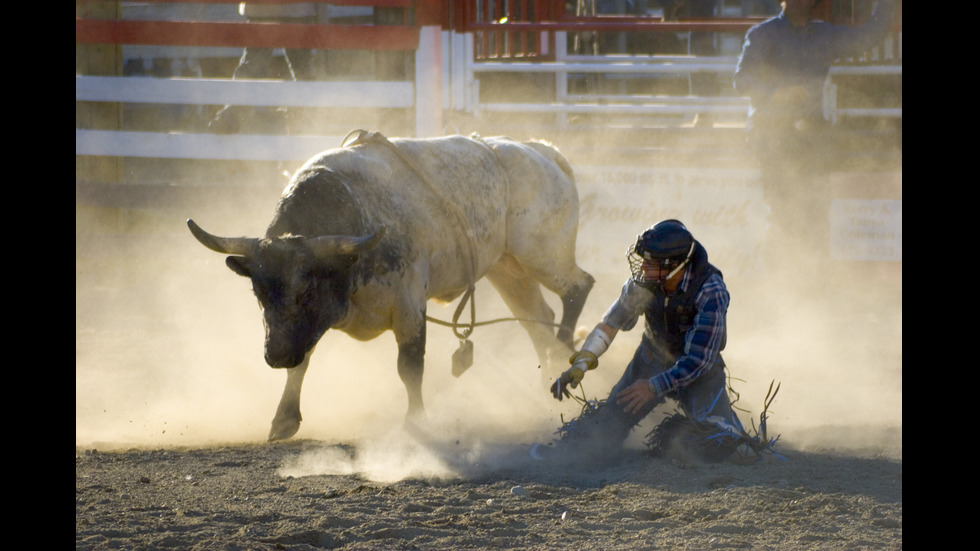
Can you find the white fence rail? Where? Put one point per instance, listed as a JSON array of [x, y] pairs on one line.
[[414, 94], [831, 110], [180, 91], [171, 145], [193, 91]]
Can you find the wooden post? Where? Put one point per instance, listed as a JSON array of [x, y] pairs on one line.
[[98, 60], [428, 83]]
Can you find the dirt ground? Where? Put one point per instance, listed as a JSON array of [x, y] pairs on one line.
[[265, 496]]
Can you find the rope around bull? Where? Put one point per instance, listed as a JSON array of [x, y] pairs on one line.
[[468, 328], [463, 357]]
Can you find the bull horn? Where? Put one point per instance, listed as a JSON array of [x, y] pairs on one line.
[[242, 246], [327, 245]]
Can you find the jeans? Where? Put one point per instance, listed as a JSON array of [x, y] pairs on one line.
[[605, 431]]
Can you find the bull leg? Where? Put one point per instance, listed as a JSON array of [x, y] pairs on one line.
[[572, 303], [523, 297], [564, 278], [287, 419], [411, 364]]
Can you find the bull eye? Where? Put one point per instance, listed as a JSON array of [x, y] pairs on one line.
[[304, 297], [304, 289]]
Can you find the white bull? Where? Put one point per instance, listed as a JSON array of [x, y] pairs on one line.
[[366, 234]]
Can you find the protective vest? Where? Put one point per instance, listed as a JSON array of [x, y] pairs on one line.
[[670, 317]]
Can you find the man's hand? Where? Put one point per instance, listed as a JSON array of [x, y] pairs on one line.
[[636, 396], [571, 377], [581, 361]]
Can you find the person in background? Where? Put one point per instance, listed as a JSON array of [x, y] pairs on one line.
[[784, 63], [264, 63]]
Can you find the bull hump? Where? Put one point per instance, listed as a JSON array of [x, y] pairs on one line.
[[311, 195]]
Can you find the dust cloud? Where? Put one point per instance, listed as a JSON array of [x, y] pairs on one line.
[[169, 353]]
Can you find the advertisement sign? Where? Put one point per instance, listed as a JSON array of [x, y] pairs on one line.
[[866, 217], [723, 208]]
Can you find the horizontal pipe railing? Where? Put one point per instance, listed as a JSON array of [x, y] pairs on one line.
[[612, 68], [618, 24], [675, 65], [174, 145]]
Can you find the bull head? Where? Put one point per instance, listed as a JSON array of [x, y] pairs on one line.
[[303, 284]]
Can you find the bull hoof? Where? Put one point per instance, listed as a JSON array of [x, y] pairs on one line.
[[283, 429]]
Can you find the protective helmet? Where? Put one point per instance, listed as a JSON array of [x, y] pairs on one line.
[[668, 242]]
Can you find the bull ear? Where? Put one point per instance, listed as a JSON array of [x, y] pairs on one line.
[[239, 265]]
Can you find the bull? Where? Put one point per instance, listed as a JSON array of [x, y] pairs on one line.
[[365, 234]]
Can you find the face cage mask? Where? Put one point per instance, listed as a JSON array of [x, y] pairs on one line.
[[673, 265]]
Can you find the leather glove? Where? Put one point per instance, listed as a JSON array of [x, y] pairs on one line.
[[581, 361]]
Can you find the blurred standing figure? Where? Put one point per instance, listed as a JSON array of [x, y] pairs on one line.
[[782, 69], [263, 63]]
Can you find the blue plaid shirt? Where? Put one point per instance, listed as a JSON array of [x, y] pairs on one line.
[[702, 343]]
